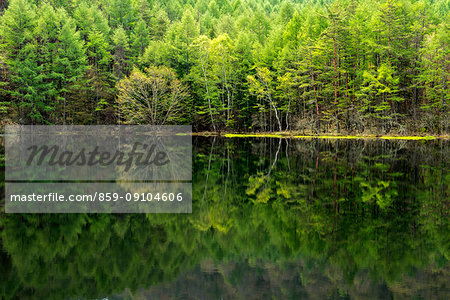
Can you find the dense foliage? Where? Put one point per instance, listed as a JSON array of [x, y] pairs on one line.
[[257, 65]]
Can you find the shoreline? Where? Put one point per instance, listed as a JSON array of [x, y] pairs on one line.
[[297, 135]]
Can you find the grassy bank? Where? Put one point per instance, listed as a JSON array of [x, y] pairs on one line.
[[321, 136], [295, 135]]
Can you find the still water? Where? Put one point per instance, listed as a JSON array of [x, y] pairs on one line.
[[271, 219]]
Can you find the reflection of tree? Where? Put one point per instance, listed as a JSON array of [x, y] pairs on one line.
[[258, 184], [174, 147], [2, 176], [290, 279], [373, 246]]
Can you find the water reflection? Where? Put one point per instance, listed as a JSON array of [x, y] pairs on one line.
[[286, 219]]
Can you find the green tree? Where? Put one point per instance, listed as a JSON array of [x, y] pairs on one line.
[[434, 78], [154, 97], [262, 86], [17, 29], [182, 34], [140, 38], [121, 53], [122, 13], [70, 66]]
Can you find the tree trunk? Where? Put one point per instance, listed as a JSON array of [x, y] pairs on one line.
[[315, 98], [209, 97]]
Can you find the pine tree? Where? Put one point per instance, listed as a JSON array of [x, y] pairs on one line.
[[121, 52], [70, 67], [183, 34], [122, 13], [140, 38], [17, 29], [99, 60]]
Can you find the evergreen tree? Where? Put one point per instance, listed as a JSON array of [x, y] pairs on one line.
[[121, 52], [17, 32], [182, 35], [140, 38]]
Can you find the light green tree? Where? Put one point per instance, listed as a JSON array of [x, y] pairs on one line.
[[153, 97]]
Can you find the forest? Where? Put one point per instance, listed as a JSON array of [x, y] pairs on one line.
[[315, 66]]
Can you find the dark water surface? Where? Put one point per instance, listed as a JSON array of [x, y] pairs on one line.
[[272, 219]]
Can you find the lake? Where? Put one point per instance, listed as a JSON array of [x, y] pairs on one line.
[[271, 219]]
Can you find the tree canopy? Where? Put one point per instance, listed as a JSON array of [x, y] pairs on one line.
[[353, 66]]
